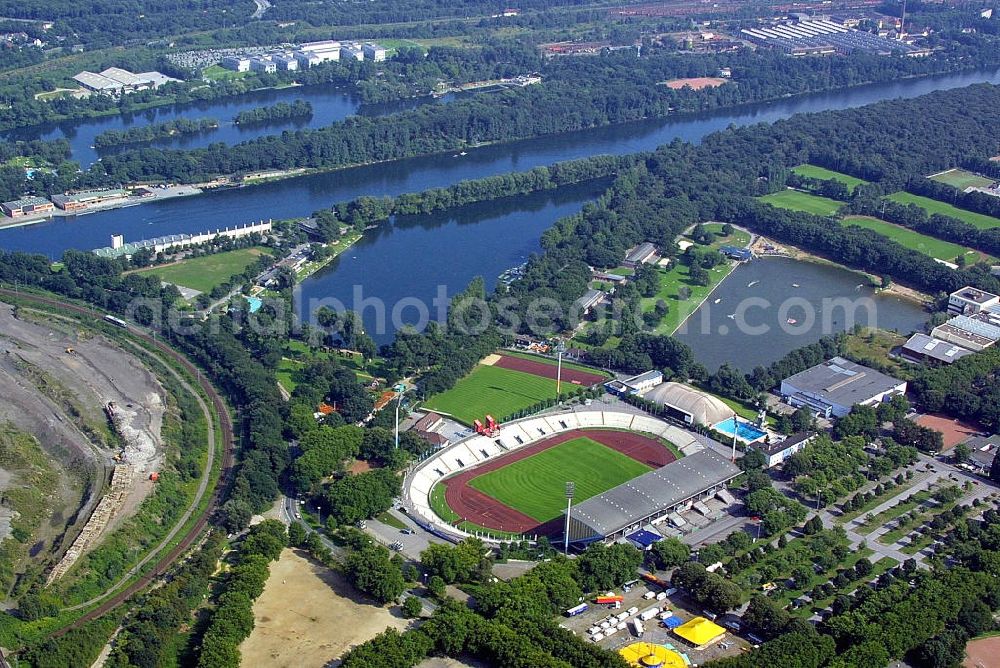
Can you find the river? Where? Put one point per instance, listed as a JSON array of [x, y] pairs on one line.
[[771, 306], [329, 103], [303, 195]]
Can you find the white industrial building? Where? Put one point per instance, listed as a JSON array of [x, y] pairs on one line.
[[236, 63], [832, 388], [119, 248], [352, 52], [374, 52], [969, 301]]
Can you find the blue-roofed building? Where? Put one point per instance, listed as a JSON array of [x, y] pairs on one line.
[[643, 539], [737, 253]]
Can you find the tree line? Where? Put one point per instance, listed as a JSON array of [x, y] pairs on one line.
[[276, 112], [153, 131]]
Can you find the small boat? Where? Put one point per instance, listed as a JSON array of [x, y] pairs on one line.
[[795, 285], [718, 300], [859, 286], [731, 316], [463, 153], [752, 283], [792, 321]]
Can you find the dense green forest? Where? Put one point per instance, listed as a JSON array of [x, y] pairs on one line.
[[276, 112], [154, 131]]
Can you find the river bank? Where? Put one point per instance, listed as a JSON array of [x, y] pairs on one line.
[[155, 194]]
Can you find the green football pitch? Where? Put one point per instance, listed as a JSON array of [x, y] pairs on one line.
[[933, 206], [800, 201], [814, 172], [536, 485], [205, 272], [494, 390]]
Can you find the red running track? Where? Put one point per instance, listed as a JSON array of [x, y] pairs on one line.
[[479, 508], [548, 370]]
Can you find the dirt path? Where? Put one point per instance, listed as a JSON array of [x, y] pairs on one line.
[[309, 616]]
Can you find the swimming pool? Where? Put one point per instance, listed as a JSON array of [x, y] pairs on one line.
[[254, 303], [743, 430]]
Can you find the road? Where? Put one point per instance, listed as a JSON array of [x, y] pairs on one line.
[[225, 424], [262, 6]]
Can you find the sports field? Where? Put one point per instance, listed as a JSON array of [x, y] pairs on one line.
[[814, 172], [934, 206], [799, 201], [494, 390], [961, 179], [206, 272], [942, 250], [536, 486]]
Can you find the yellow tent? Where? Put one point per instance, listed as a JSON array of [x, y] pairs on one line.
[[700, 631], [648, 655]]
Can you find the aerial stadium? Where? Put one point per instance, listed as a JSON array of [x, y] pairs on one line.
[[629, 470]]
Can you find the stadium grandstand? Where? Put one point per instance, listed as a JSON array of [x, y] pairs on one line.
[[651, 497], [477, 449]]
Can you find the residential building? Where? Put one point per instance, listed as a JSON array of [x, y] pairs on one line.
[[983, 451], [286, 62], [307, 59], [923, 348], [776, 452], [27, 206], [832, 388]]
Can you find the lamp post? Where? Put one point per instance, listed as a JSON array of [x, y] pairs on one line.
[[570, 491], [400, 388], [736, 426], [560, 349]]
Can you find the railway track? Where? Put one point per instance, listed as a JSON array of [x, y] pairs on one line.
[[225, 423]]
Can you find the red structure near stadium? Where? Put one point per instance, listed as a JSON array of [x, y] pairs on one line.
[[479, 508]]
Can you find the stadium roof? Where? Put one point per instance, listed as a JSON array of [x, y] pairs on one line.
[[702, 407], [700, 631], [654, 491], [842, 382]]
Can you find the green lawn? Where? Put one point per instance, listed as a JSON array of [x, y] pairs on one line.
[[814, 172], [961, 179], [536, 485], [671, 280], [204, 273], [942, 250], [219, 73], [800, 201], [934, 206], [490, 389]]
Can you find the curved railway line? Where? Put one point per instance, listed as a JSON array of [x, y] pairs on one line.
[[226, 427]]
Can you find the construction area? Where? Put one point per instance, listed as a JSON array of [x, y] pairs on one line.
[[309, 616], [97, 412]]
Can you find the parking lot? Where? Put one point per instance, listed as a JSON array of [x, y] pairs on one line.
[[729, 645]]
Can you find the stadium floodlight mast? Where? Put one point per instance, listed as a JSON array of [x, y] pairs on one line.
[[560, 349], [570, 491], [400, 388]]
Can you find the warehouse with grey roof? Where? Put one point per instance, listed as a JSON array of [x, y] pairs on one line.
[[651, 497], [832, 388]]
